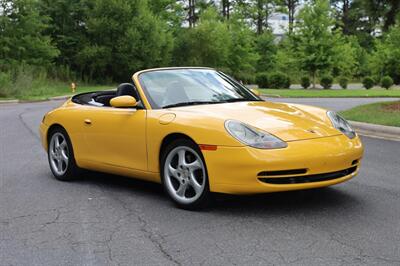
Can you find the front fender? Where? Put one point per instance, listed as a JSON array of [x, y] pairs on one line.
[[202, 130]]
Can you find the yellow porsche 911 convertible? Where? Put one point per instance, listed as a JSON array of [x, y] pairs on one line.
[[197, 131]]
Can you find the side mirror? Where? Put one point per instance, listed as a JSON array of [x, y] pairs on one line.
[[123, 101], [256, 92]]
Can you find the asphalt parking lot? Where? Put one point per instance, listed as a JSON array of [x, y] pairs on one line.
[[111, 220]]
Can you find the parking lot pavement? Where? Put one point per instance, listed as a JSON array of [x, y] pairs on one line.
[[110, 220]]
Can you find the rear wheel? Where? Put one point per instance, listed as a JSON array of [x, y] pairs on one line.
[[61, 156], [184, 175]]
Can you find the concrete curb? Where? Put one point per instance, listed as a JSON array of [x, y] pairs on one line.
[[64, 97], [9, 101], [377, 131], [270, 96]]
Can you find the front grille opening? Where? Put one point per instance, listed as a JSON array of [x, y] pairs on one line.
[[309, 178], [283, 172]]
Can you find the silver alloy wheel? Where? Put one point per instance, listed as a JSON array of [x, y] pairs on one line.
[[184, 174], [59, 154]]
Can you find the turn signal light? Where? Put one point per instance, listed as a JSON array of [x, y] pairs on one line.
[[206, 147]]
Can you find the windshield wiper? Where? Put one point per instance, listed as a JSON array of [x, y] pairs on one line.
[[190, 103], [241, 100], [211, 102]]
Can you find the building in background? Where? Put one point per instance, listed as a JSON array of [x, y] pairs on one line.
[[279, 24]]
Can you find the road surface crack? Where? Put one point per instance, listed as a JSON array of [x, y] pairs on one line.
[[21, 119], [156, 239]]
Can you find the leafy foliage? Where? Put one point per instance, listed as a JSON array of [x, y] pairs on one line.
[[385, 60], [65, 27], [124, 37], [305, 82], [21, 79], [317, 46], [326, 81], [208, 44], [343, 82], [386, 82], [242, 57], [262, 80], [22, 35], [368, 82], [266, 49], [107, 40], [279, 80]]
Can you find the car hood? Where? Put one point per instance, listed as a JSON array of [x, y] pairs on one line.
[[289, 122]]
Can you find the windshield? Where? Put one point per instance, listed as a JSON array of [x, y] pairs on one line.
[[180, 87]]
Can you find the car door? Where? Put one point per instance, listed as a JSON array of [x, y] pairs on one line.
[[116, 137]]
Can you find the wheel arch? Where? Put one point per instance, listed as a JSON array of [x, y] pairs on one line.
[[170, 138], [52, 128]]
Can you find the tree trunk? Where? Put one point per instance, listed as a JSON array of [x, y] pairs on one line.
[[225, 8], [345, 16], [192, 13], [259, 17], [291, 5], [228, 7], [313, 80], [391, 15]]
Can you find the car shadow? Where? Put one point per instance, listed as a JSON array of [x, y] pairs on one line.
[[329, 198], [121, 183], [322, 199]]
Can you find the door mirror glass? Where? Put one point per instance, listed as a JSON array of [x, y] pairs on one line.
[[123, 101]]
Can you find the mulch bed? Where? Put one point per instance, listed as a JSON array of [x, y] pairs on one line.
[[393, 107]]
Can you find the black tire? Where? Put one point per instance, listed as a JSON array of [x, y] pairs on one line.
[[71, 169], [204, 198]]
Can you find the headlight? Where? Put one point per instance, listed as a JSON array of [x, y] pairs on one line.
[[341, 124], [253, 137]]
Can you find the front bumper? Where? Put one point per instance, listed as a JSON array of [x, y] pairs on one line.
[[43, 135], [236, 170]]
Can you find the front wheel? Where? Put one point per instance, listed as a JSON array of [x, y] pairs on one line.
[[61, 156], [184, 175]]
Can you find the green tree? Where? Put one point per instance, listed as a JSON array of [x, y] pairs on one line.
[[393, 10], [385, 60], [256, 12], [242, 59], [171, 12], [366, 19], [219, 43], [66, 27], [266, 49], [318, 47], [22, 38], [208, 44], [123, 37], [194, 9], [345, 60], [286, 59], [342, 8]]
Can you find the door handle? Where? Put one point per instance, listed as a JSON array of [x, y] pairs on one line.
[[88, 121]]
